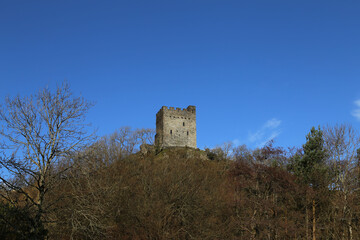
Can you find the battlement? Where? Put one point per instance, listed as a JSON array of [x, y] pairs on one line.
[[176, 127], [191, 109]]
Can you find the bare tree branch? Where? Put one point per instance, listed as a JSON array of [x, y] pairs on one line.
[[38, 131]]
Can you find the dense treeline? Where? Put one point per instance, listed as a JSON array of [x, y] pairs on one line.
[[183, 193], [107, 189]]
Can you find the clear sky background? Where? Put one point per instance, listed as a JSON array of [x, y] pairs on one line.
[[255, 70]]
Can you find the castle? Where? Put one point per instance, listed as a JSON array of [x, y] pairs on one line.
[[176, 127]]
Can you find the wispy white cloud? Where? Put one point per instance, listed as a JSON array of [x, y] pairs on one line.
[[253, 137], [272, 136], [272, 123], [267, 132], [356, 112]]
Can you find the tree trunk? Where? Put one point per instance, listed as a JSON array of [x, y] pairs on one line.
[[350, 229], [314, 220], [306, 223]]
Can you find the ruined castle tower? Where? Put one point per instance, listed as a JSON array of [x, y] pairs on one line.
[[176, 127]]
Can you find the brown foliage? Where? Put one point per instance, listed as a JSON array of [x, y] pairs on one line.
[[266, 202], [178, 194], [157, 197]]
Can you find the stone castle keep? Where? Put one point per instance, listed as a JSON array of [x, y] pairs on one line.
[[176, 127]]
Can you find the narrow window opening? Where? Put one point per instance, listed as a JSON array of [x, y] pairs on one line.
[[183, 123], [170, 131], [187, 133]]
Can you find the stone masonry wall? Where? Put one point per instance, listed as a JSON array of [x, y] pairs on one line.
[[176, 127]]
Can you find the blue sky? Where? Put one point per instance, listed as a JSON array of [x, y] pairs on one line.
[[256, 70]]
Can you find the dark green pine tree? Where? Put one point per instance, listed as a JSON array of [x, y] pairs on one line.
[[311, 167], [312, 170]]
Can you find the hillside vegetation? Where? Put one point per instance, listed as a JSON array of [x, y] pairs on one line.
[[179, 194], [65, 184]]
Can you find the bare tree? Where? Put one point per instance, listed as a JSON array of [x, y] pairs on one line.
[[124, 142], [221, 152], [342, 142], [37, 132]]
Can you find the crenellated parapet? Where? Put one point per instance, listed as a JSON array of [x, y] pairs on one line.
[[177, 111]]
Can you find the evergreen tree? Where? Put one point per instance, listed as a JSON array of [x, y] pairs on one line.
[[311, 167]]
